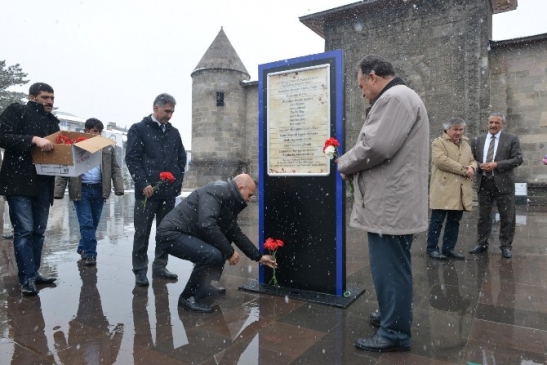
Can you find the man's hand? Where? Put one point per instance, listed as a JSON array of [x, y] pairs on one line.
[[234, 259], [268, 261], [470, 172], [42, 143], [148, 191], [489, 166]]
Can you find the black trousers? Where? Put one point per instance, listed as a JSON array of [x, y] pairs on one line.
[[208, 261], [488, 193], [143, 217], [391, 267]]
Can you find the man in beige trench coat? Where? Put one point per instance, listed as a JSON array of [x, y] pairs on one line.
[[450, 188]]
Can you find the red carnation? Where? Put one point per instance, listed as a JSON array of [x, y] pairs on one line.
[[272, 245], [62, 139], [165, 177]]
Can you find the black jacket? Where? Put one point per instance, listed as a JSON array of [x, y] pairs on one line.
[[210, 214], [151, 151], [18, 124]]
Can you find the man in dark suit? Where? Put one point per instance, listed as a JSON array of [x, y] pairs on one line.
[[497, 154], [154, 146]]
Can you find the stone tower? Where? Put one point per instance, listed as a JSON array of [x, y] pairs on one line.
[[218, 115]]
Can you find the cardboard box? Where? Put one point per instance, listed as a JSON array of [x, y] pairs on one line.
[[70, 160]]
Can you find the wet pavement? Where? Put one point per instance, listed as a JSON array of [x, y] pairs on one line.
[[484, 310]]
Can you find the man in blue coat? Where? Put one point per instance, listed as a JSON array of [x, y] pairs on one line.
[[154, 146]]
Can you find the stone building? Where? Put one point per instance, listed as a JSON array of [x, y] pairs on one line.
[[441, 48]]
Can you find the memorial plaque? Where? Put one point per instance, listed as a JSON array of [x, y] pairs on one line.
[[301, 194], [298, 121]]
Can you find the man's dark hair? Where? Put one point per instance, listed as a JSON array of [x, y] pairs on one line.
[[38, 87], [376, 64], [94, 123], [163, 99]]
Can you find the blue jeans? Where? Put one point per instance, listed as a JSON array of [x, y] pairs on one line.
[[391, 268], [451, 229], [89, 210], [28, 215]]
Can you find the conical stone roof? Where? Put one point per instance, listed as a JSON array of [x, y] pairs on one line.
[[221, 55]]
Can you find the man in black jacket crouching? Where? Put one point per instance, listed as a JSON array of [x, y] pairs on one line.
[[201, 229]]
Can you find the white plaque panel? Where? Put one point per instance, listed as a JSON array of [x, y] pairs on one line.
[[298, 117]]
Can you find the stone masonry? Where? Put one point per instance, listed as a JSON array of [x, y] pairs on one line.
[[441, 48]]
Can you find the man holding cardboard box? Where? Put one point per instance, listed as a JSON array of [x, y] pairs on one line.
[[156, 159], [29, 195]]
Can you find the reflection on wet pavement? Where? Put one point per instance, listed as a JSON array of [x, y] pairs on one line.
[[484, 310]]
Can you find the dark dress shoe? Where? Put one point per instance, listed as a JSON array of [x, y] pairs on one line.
[[193, 305], [376, 343], [505, 252], [453, 254], [29, 288], [40, 279], [211, 290], [436, 255], [81, 253], [479, 249], [164, 273], [374, 319], [90, 261], [141, 279]]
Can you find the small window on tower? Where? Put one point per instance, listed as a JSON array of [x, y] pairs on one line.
[[220, 98]]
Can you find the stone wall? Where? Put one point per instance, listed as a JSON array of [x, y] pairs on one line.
[[251, 128], [518, 84], [439, 47], [518, 81]]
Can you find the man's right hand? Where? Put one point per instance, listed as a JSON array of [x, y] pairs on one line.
[[470, 172], [42, 143], [268, 261], [148, 191], [234, 259]]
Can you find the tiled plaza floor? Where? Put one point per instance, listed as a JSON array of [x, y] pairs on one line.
[[484, 310]]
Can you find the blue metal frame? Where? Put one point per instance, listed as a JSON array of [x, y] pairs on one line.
[[337, 55]]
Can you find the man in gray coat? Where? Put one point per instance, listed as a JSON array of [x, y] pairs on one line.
[[497, 153], [389, 168]]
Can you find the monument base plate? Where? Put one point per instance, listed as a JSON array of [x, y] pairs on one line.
[[305, 295]]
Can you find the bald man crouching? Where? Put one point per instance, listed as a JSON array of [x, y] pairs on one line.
[[201, 229]]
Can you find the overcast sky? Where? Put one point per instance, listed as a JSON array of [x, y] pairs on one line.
[[109, 58]]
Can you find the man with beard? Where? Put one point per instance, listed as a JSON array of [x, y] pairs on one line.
[[29, 195]]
